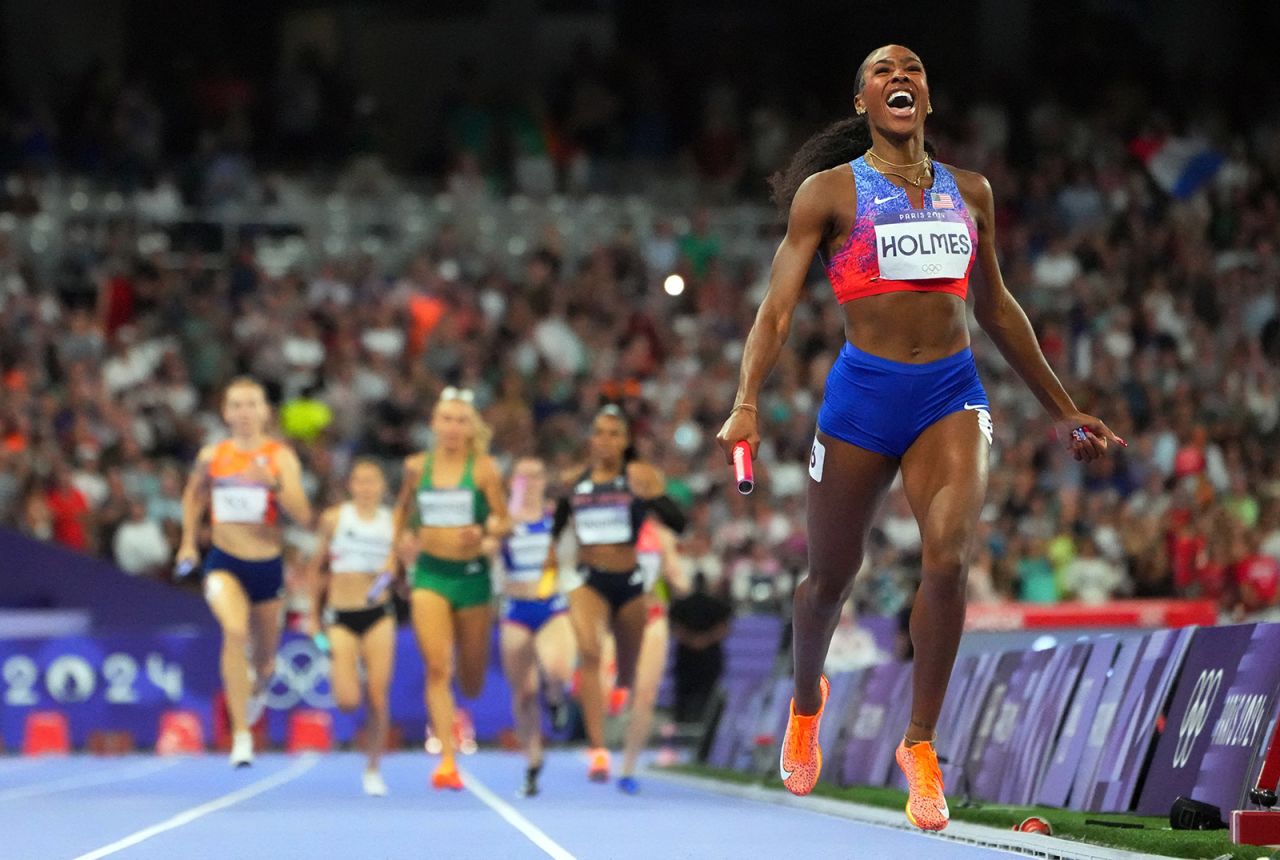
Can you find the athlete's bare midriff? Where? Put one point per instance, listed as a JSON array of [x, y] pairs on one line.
[[522, 590], [350, 590], [610, 558], [249, 541], [451, 543], [914, 328]]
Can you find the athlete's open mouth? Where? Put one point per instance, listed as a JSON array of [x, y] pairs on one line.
[[901, 103]]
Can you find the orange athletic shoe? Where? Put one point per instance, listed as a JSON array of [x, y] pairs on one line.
[[449, 778], [618, 698], [926, 806], [801, 759], [599, 769]]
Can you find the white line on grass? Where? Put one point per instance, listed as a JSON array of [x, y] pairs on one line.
[[227, 800], [515, 819], [1026, 844], [86, 780]]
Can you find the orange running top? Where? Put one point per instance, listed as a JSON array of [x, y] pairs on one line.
[[236, 498]]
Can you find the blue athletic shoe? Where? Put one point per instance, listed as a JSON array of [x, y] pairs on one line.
[[628, 785]]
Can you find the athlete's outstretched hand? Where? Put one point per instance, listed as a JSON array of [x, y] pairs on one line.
[[741, 424], [1086, 437]]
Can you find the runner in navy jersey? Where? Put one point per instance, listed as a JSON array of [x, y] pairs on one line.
[[607, 502]]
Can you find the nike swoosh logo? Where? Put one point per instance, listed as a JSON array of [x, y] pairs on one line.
[[880, 200], [946, 812], [786, 774], [977, 407]]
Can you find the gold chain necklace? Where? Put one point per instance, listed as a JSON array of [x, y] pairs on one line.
[[926, 172]]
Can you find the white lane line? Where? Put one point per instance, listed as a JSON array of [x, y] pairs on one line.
[[86, 780], [227, 800], [515, 819]]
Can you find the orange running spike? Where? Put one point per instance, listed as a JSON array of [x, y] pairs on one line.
[[599, 769], [926, 805], [800, 763], [447, 778]]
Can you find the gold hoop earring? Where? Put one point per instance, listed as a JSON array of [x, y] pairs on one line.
[[859, 110]]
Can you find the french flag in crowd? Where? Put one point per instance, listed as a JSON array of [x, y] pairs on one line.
[[1179, 165]]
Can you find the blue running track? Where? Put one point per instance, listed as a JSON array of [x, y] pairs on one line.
[[311, 807]]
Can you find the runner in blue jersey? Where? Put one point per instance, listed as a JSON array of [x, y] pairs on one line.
[[537, 639]]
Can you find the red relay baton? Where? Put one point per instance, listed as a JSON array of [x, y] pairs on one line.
[[742, 472]]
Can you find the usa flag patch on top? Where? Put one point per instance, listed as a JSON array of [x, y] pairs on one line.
[[941, 201]]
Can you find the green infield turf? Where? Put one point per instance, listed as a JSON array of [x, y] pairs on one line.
[[1156, 837]]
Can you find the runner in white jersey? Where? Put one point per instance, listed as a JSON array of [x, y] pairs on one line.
[[536, 634], [359, 620]]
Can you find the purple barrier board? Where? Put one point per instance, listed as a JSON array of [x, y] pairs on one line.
[[1219, 720], [739, 693], [1015, 712], [1208, 670], [897, 716], [116, 683], [36, 575], [864, 762], [1134, 730], [1047, 710], [1104, 719], [949, 724], [985, 758], [1055, 786], [958, 717], [745, 728], [1244, 724], [125, 682], [844, 687]]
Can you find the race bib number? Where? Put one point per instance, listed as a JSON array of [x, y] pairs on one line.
[[240, 504], [526, 554], [596, 526], [817, 459], [922, 244], [446, 508]]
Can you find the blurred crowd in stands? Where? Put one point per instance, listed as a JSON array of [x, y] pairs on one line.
[[519, 262]]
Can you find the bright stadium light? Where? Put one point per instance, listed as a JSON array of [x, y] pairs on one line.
[[674, 285]]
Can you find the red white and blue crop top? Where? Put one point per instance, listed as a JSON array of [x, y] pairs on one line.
[[895, 247]]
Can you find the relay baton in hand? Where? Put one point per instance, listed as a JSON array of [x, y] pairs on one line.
[[379, 586], [742, 472]]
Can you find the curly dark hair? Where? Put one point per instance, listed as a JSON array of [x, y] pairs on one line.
[[838, 143]]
